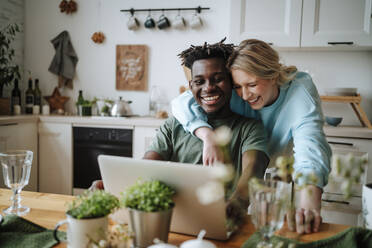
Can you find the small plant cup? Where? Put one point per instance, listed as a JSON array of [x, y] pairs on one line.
[[87, 218], [150, 208]]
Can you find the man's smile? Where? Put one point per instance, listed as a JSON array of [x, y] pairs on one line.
[[210, 99]]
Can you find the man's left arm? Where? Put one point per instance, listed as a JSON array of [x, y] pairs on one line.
[[254, 164]]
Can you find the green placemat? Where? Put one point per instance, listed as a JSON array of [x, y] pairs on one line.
[[353, 237], [18, 232]]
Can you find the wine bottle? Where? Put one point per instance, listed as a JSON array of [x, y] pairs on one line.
[[16, 96], [80, 102], [29, 97], [37, 93]]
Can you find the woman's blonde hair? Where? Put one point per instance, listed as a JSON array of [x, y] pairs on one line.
[[258, 58]]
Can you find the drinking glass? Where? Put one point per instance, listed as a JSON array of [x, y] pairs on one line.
[[269, 202], [16, 167]]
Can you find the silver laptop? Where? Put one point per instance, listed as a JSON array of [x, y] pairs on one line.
[[189, 216]]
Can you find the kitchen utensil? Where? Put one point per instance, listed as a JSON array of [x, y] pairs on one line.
[[341, 91], [121, 108], [333, 121], [16, 166]]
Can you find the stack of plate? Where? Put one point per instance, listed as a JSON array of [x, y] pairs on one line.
[[341, 91]]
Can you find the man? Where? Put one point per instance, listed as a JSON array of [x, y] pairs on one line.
[[211, 87]]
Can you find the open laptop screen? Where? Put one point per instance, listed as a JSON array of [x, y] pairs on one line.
[[189, 215]]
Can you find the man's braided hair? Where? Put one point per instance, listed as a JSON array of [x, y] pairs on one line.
[[217, 50]]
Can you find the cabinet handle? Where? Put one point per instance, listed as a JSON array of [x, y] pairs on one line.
[[270, 43], [340, 143], [8, 124], [340, 43], [335, 201]]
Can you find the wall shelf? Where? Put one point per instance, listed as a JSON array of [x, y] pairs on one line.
[[355, 104]]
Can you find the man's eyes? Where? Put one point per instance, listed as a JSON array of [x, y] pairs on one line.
[[197, 81]]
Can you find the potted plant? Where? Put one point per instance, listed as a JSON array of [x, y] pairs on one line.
[[87, 217], [150, 208], [9, 71]]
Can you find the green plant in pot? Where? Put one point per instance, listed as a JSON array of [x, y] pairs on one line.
[[9, 71], [86, 108], [150, 207], [87, 217]]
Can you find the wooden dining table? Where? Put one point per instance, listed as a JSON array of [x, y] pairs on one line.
[[47, 209]]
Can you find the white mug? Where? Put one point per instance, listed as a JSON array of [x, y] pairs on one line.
[[36, 109], [132, 23], [196, 22], [17, 109], [46, 110], [79, 230], [179, 22]]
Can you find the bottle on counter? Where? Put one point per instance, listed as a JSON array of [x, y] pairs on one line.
[[79, 103], [15, 98], [29, 97], [37, 94]]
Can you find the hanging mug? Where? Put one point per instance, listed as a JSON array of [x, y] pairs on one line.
[[179, 22], [196, 22], [132, 23], [149, 23], [163, 22]]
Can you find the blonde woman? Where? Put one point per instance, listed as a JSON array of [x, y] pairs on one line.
[[288, 104]]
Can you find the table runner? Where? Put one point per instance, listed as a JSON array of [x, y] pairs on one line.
[[18, 232], [353, 237]]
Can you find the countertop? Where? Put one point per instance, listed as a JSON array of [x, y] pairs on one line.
[[340, 131], [48, 209], [85, 120]]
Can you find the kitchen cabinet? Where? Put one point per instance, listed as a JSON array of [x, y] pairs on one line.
[[277, 22], [55, 162], [142, 139], [21, 136], [307, 23], [335, 208], [332, 22]]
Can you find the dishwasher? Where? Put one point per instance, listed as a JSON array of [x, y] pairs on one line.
[[89, 142]]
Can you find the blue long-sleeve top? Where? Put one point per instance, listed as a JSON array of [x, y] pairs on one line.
[[294, 123]]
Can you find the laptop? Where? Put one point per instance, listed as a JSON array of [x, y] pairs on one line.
[[189, 215]]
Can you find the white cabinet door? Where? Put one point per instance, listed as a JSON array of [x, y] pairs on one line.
[[142, 139], [55, 158], [274, 21], [21, 136], [332, 22]]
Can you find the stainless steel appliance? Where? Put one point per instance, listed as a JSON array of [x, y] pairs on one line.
[[89, 142]]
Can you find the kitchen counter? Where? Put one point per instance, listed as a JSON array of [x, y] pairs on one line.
[[48, 209], [146, 121], [86, 120], [348, 132]]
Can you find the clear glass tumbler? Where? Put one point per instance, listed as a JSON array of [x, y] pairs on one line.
[[269, 202], [16, 166]]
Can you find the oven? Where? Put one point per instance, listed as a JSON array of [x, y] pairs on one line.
[[88, 143]]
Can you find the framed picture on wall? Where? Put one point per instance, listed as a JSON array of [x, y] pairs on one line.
[[131, 67]]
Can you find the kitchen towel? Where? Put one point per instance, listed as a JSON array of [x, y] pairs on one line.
[[18, 232], [64, 61], [353, 237]]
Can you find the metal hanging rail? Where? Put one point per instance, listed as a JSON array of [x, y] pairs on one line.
[[132, 10]]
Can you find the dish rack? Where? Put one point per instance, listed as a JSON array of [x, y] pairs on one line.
[[355, 104]]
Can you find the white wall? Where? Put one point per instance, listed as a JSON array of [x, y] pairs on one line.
[[96, 66]]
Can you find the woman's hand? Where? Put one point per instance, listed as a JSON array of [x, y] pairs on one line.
[[308, 217], [211, 153]]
